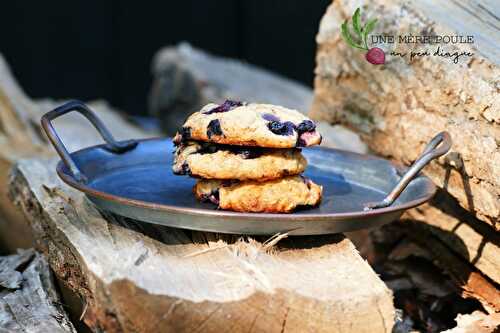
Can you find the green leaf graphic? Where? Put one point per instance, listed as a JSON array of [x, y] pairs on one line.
[[356, 23], [347, 36], [370, 25]]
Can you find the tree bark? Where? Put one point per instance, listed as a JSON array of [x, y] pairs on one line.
[[146, 278]]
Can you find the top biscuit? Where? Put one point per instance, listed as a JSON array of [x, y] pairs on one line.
[[252, 124]]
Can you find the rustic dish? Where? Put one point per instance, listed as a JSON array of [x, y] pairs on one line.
[[134, 179]]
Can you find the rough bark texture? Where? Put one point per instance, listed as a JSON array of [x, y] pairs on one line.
[[29, 301], [147, 278], [21, 136], [400, 106], [185, 78]]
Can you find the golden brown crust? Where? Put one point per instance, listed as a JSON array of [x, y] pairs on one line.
[[225, 163], [246, 126], [275, 196]]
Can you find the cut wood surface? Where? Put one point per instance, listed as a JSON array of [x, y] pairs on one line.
[[21, 136], [29, 302], [400, 106], [138, 277]]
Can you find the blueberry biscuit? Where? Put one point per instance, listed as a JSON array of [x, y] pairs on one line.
[[252, 124], [213, 161], [274, 196]]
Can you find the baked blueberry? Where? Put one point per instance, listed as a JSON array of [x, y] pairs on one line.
[[228, 105], [182, 135], [214, 128], [186, 133], [270, 117], [306, 126], [280, 128], [250, 153]]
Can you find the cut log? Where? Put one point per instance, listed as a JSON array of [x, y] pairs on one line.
[[186, 78], [137, 277], [476, 322], [472, 282], [400, 106], [477, 243], [28, 298], [21, 136]]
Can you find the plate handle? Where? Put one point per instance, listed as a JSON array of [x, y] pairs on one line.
[[438, 146], [112, 145]]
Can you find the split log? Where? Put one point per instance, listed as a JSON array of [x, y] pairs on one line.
[[471, 282], [400, 106], [28, 298], [476, 322], [186, 78], [476, 242], [21, 136], [137, 277]]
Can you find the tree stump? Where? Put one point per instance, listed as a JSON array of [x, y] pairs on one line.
[[138, 277]]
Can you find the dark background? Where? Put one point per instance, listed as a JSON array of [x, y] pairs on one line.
[[103, 49]]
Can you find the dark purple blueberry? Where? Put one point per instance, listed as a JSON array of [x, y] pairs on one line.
[[280, 128], [306, 126], [183, 170], [182, 135], [290, 127], [248, 154], [228, 105], [300, 142], [213, 128], [212, 197], [186, 133], [270, 117]]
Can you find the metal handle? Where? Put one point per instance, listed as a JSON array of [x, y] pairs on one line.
[[112, 145], [438, 146]]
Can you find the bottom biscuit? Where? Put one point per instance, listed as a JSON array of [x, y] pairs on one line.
[[274, 196]]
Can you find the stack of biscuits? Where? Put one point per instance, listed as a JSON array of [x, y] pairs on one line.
[[247, 157]]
